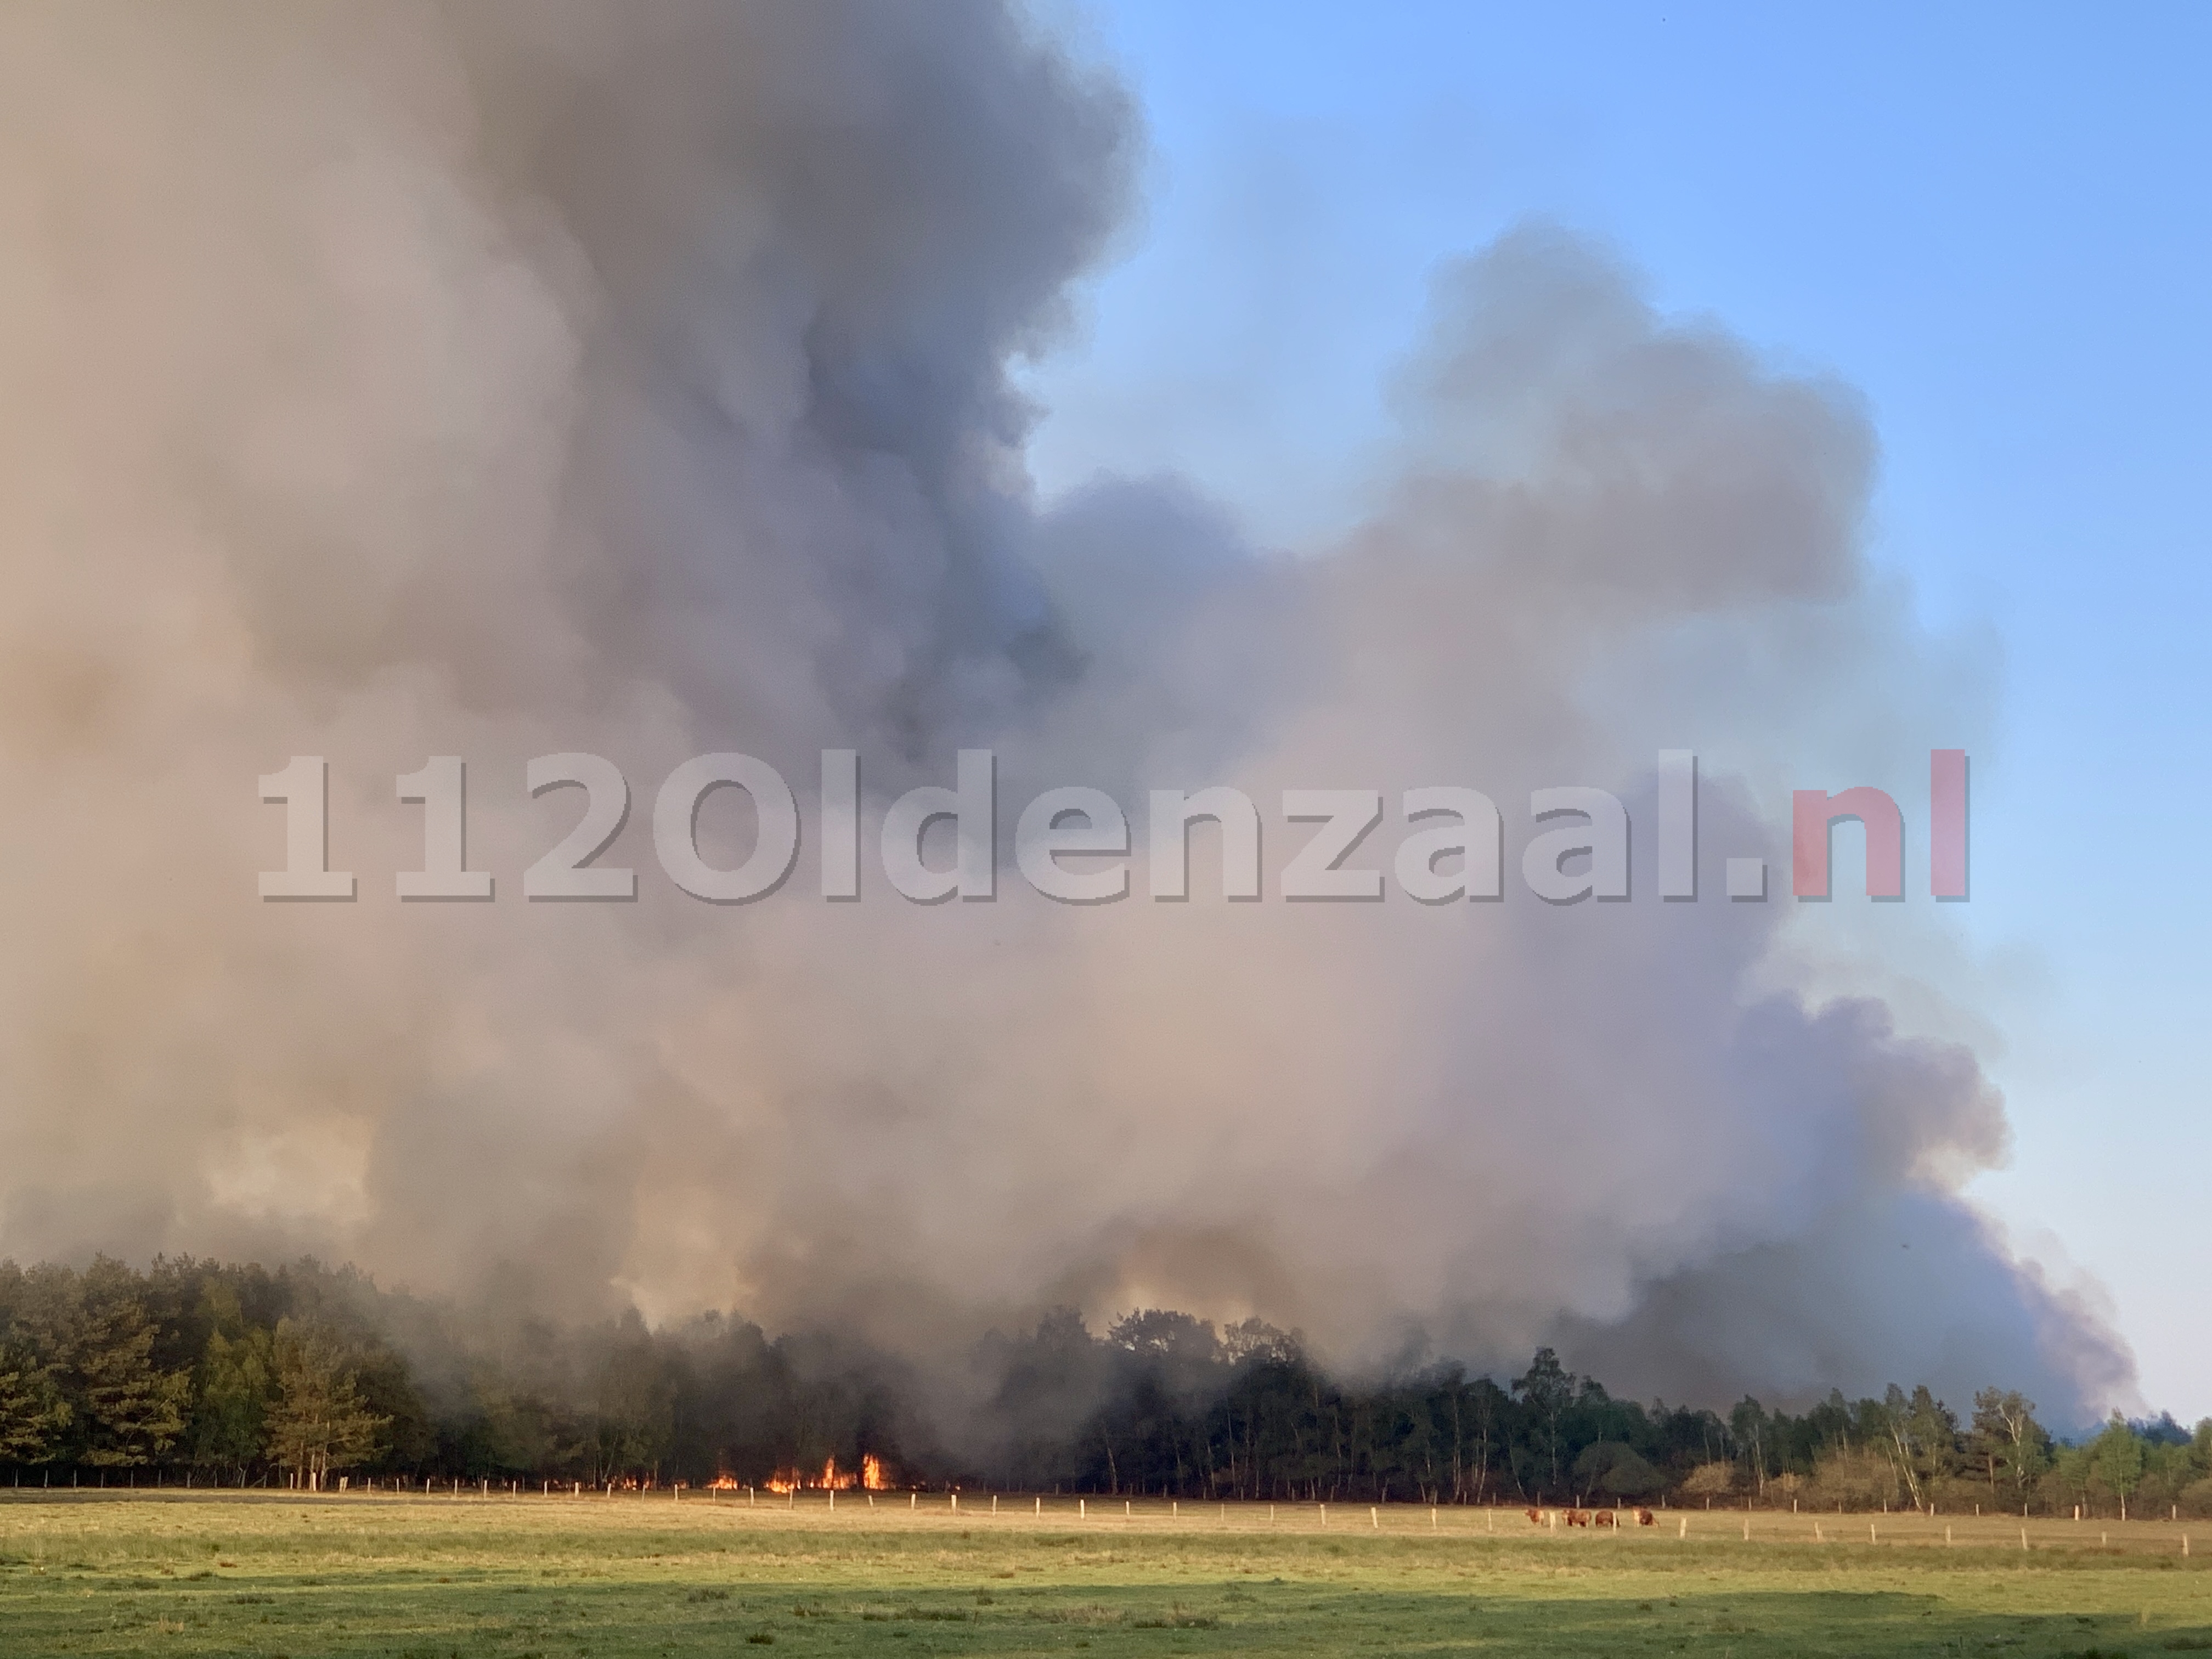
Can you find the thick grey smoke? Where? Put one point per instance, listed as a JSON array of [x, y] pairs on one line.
[[391, 381]]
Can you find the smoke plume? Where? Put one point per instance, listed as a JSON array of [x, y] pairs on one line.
[[503, 380]]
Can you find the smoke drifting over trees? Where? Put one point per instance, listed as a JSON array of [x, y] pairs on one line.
[[230, 1376], [497, 380]]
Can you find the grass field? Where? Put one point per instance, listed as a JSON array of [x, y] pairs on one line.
[[634, 1574]]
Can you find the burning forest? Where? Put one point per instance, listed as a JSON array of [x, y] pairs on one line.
[[542, 382], [233, 1377]]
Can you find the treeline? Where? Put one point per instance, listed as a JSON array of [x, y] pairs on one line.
[[1186, 1410], [239, 1375]]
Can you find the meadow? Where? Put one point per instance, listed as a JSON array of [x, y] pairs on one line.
[[562, 1577]]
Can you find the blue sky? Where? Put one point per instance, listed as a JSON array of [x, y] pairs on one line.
[[1995, 222]]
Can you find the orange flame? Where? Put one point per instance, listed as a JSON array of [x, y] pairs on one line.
[[872, 1478]]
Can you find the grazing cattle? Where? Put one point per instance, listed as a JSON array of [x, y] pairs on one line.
[[1535, 1518], [1604, 1518], [1643, 1517], [1577, 1518]]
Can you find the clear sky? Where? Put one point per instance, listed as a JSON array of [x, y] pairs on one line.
[[1994, 220]]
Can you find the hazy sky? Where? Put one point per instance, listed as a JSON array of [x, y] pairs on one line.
[[1993, 222]]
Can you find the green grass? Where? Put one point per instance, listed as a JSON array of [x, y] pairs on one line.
[[427, 1578]]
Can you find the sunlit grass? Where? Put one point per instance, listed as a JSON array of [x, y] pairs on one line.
[[653, 1575]]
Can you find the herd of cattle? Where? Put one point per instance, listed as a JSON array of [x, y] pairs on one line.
[[1553, 1518]]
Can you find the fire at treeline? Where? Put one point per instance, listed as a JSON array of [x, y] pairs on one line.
[[195, 1371]]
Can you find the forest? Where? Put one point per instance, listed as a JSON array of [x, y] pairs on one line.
[[201, 1372]]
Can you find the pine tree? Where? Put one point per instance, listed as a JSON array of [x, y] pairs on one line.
[[318, 1423], [237, 1385], [131, 1411], [32, 1413]]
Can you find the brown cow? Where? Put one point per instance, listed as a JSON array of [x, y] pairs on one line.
[[1643, 1517], [1604, 1518], [1577, 1518], [1535, 1518]]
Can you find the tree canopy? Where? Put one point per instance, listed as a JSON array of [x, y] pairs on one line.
[[238, 1374]]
